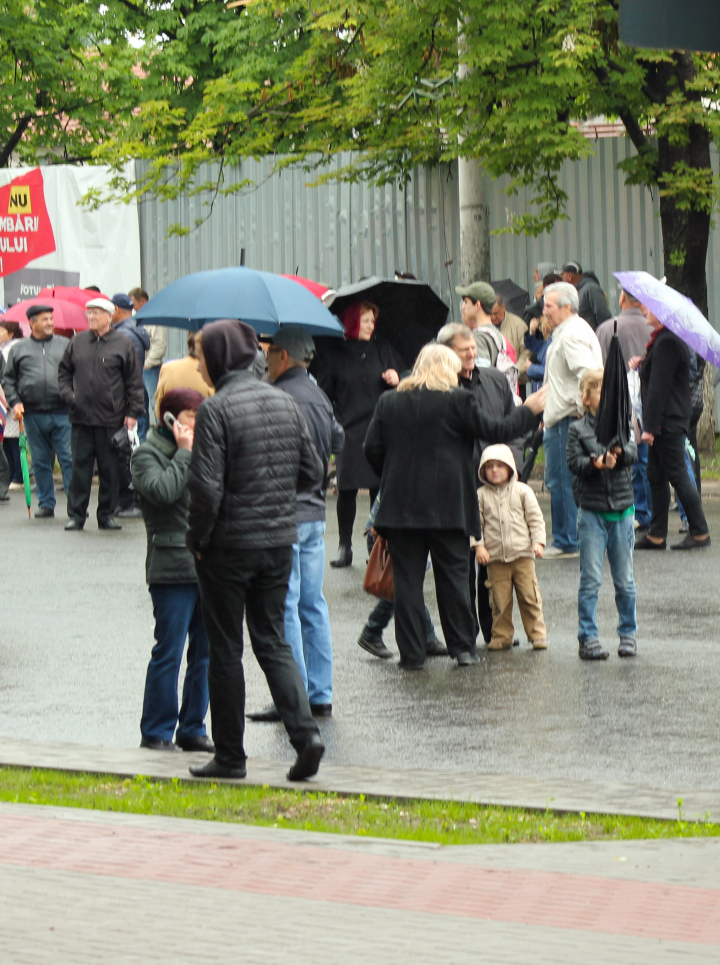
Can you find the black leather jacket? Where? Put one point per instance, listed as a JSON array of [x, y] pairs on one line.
[[599, 490], [251, 456], [31, 374]]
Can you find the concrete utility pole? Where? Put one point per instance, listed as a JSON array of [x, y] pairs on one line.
[[474, 208], [474, 222]]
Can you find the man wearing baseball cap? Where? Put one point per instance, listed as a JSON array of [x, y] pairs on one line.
[[476, 312], [100, 380], [593, 303], [30, 381], [307, 622]]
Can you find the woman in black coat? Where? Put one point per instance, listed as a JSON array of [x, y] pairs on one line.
[[667, 408], [420, 442], [354, 374]]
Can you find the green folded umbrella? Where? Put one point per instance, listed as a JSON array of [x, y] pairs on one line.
[[24, 466]]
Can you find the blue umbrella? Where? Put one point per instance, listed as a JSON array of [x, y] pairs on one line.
[[675, 311], [261, 299]]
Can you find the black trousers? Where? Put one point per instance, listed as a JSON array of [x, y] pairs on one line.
[[5, 477], [478, 574], [666, 464], [346, 509], [252, 582], [448, 550], [89, 443]]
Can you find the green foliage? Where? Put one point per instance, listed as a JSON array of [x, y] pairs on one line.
[[445, 822], [63, 85]]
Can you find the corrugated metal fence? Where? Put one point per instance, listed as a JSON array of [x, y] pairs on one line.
[[337, 233]]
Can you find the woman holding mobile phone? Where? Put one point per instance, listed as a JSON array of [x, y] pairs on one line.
[[159, 471]]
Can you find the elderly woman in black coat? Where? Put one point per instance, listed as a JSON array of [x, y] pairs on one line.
[[354, 374], [420, 442]]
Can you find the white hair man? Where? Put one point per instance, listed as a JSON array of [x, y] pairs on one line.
[[574, 349]]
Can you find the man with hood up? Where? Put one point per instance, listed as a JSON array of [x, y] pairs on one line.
[[252, 453], [593, 303]]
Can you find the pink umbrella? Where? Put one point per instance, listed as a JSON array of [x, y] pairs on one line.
[[312, 286], [68, 317], [78, 296]]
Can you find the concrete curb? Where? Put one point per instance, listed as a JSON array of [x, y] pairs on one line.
[[556, 794]]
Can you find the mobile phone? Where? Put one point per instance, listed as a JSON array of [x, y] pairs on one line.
[[169, 420]]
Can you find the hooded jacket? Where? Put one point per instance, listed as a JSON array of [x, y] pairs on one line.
[[159, 475], [593, 304], [599, 490], [137, 335], [31, 374], [511, 518], [251, 455]]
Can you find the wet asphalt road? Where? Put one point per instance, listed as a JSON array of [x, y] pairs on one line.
[[77, 632]]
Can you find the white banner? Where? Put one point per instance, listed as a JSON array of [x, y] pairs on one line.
[[99, 247]]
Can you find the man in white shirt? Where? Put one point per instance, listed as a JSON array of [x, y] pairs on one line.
[[574, 349]]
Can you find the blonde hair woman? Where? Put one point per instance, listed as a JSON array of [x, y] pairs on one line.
[[420, 443]]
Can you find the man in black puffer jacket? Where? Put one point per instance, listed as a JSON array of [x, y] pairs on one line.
[[251, 454]]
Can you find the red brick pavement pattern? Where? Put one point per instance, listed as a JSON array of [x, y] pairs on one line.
[[568, 901]]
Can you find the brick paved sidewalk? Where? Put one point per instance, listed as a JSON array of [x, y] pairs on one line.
[[594, 797], [78, 886]]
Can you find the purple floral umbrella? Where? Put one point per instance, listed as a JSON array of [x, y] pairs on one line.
[[675, 311]]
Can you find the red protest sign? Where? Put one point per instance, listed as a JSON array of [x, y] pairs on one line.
[[25, 229]]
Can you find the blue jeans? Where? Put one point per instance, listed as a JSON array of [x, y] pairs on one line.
[[49, 432], [307, 622], [558, 480], [596, 537], [176, 607], [691, 473], [641, 487], [150, 381]]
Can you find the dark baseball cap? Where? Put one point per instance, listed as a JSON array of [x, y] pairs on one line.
[[123, 301], [296, 342], [34, 310]]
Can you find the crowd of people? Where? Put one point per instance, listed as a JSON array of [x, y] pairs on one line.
[[225, 455]]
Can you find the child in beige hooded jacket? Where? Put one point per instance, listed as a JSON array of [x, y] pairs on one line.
[[513, 534]]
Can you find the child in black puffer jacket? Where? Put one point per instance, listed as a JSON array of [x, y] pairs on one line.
[[602, 487]]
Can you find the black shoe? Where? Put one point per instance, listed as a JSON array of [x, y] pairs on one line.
[[647, 544], [271, 714], [433, 648], [151, 745], [74, 524], [308, 760], [516, 642], [202, 743], [467, 658], [592, 650], [321, 710], [342, 558], [45, 512], [213, 770], [691, 543], [410, 666], [374, 646], [109, 524]]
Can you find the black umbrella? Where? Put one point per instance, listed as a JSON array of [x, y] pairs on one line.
[[613, 417], [411, 314], [516, 298], [531, 450]]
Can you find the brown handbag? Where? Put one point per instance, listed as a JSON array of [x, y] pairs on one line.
[[379, 575]]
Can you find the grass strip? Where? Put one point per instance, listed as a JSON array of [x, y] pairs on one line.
[[444, 822]]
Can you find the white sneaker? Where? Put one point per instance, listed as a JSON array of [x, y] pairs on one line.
[[636, 525], [555, 553], [15, 487]]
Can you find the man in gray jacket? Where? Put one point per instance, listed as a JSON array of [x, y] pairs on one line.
[[593, 304], [307, 622], [30, 381]]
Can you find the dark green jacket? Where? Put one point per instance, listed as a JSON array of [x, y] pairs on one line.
[[159, 474]]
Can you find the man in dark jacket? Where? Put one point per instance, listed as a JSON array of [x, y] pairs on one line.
[[31, 387], [593, 304], [100, 379], [492, 390], [251, 455], [307, 622], [666, 406]]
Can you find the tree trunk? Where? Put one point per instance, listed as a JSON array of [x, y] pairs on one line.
[[686, 235], [474, 223]]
